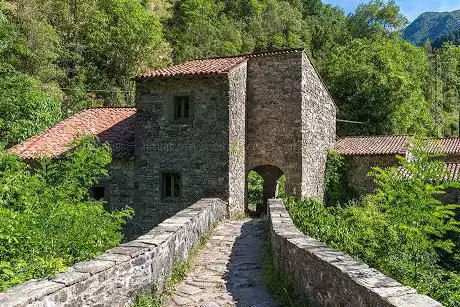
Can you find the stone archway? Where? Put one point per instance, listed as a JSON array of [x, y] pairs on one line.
[[270, 175]]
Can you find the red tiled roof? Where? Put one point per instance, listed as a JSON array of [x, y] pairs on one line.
[[392, 145], [372, 145], [114, 125], [445, 146], [210, 66], [452, 169], [196, 67]]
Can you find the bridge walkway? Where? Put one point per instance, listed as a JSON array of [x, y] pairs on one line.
[[228, 271]]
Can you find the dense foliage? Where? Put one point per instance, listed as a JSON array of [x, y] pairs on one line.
[[58, 57], [47, 218], [381, 82], [336, 188], [452, 37], [402, 228], [255, 190], [445, 89]]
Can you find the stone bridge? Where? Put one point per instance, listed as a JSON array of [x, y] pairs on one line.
[[227, 271]]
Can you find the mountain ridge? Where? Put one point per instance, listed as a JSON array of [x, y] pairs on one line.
[[431, 25]]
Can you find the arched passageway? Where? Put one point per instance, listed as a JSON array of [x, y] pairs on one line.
[[270, 175]]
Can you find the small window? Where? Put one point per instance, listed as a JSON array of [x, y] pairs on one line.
[[170, 185], [181, 108], [97, 193]]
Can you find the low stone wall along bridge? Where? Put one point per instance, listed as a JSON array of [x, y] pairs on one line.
[[226, 272]]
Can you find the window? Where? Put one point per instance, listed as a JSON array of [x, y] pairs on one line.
[[181, 108], [170, 185], [97, 193]]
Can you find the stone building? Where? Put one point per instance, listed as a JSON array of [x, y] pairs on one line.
[[362, 153], [199, 127], [112, 125]]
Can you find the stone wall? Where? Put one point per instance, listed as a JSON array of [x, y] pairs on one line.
[[198, 150], [120, 184], [114, 278], [290, 120], [274, 105], [318, 129], [326, 277], [237, 138], [357, 168]]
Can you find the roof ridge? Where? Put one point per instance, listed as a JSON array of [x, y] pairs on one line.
[[251, 54], [442, 138], [372, 136], [106, 107]]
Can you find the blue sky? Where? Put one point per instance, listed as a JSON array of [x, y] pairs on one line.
[[410, 8]]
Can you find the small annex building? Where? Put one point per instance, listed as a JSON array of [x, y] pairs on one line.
[[362, 153]]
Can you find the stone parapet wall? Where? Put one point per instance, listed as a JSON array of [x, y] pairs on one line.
[[327, 277], [115, 277]]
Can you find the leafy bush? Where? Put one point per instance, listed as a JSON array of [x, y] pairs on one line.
[[255, 188], [336, 188], [47, 218], [402, 229], [25, 108]]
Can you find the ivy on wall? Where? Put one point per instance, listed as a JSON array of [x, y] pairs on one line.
[[336, 188]]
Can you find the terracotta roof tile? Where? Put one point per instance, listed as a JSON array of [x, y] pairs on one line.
[[114, 125], [210, 66], [445, 146], [372, 145], [452, 168], [196, 67], [396, 144]]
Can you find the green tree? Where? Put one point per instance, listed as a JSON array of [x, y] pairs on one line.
[[445, 88], [377, 17], [402, 228], [119, 40], [255, 189], [90, 49], [47, 218], [25, 108], [200, 28], [329, 30], [382, 83]]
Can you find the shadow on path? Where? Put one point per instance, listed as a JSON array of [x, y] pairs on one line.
[[228, 271], [244, 279]]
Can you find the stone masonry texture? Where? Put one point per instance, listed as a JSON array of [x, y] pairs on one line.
[[270, 113], [198, 150], [228, 271], [237, 138], [290, 121], [116, 276], [120, 184], [327, 277], [358, 167]]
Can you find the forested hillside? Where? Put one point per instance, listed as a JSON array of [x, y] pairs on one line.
[[58, 57], [453, 37], [429, 26]]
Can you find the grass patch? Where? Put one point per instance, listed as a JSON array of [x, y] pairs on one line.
[[179, 271], [278, 284]]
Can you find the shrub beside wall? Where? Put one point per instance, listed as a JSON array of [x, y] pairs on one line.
[[115, 277], [327, 277]]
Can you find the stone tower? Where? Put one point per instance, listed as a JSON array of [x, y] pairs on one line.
[[204, 124]]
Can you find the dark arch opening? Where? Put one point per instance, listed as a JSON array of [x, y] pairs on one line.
[[270, 176]]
